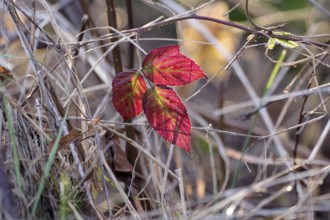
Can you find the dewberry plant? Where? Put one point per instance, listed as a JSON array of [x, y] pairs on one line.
[[164, 110]]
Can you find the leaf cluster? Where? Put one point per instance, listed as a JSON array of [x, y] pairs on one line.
[[164, 110]]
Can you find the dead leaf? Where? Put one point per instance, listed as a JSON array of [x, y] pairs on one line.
[[117, 159], [65, 140], [5, 74]]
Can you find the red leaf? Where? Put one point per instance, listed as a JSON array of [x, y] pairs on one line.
[[167, 66], [167, 115], [127, 91]]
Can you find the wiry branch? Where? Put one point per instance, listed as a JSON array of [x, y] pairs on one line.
[[258, 33]]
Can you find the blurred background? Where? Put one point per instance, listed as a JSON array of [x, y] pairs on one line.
[[251, 121]]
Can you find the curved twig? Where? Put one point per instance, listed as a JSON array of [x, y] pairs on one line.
[[259, 33], [256, 25]]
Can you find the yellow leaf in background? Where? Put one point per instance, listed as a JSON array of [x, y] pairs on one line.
[[206, 54]]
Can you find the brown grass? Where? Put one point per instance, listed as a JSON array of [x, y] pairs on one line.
[[259, 152]]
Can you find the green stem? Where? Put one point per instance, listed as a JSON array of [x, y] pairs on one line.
[[12, 140], [254, 119], [49, 163]]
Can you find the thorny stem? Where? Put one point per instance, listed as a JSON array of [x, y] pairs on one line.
[[259, 33]]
